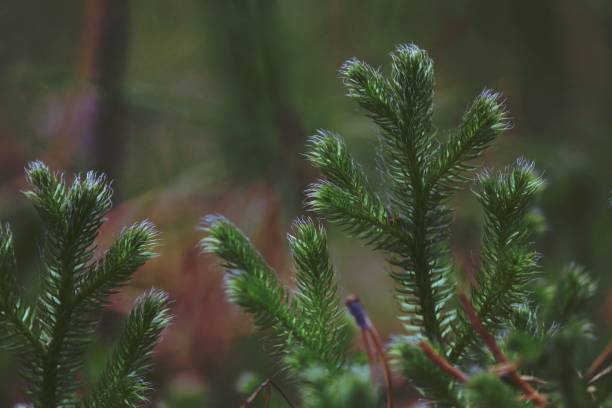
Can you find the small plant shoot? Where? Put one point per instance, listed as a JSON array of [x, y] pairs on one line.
[[51, 336]]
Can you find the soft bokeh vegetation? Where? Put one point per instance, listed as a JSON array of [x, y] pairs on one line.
[[198, 107]]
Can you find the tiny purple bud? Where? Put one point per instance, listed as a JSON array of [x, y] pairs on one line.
[[357, 311]]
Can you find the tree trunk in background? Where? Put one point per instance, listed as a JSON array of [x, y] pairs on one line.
[[104, 62]]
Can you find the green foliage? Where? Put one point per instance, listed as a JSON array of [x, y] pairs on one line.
[[345, 196], [348, 388], [51, 337], [426, 376], [421, 171], [508, 262], [486, 390], [316, 293], [511, 321], [250, 282], [568, 294], [306, 327], [121, 383]]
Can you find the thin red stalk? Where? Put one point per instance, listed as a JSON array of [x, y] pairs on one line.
[[383, 359], [442, 362], [267, 396], [530, 393], [367, 329], [369, 352]]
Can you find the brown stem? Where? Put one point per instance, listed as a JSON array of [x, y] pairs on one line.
[[599, 361], [530, 393], [282, 394], [267, 397], [255, 393], [442, 362], [358, 312], [369, 352], [266, 385], [383, 359]]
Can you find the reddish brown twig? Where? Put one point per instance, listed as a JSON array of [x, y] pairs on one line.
[[383, 360], [598, 362], [600, 374], [503, 369], [533, 380], [369, 332], [530, 393], [267, 397], [370, 353], [443, 363], [266, 386]]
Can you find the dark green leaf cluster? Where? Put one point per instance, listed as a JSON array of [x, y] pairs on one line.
[[430, 379], [52, 335], [558, 343], [307, 327], [487, 390]]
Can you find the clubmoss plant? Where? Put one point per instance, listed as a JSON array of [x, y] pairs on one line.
[[307, 328], [51, 336], [512, 338]]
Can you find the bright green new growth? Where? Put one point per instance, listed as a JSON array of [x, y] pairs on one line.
[[307, 327], [51, 337]]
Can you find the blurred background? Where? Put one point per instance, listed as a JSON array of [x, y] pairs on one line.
[[195, 107]]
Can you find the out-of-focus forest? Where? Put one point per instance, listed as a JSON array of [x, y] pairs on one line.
[[195, 107]]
